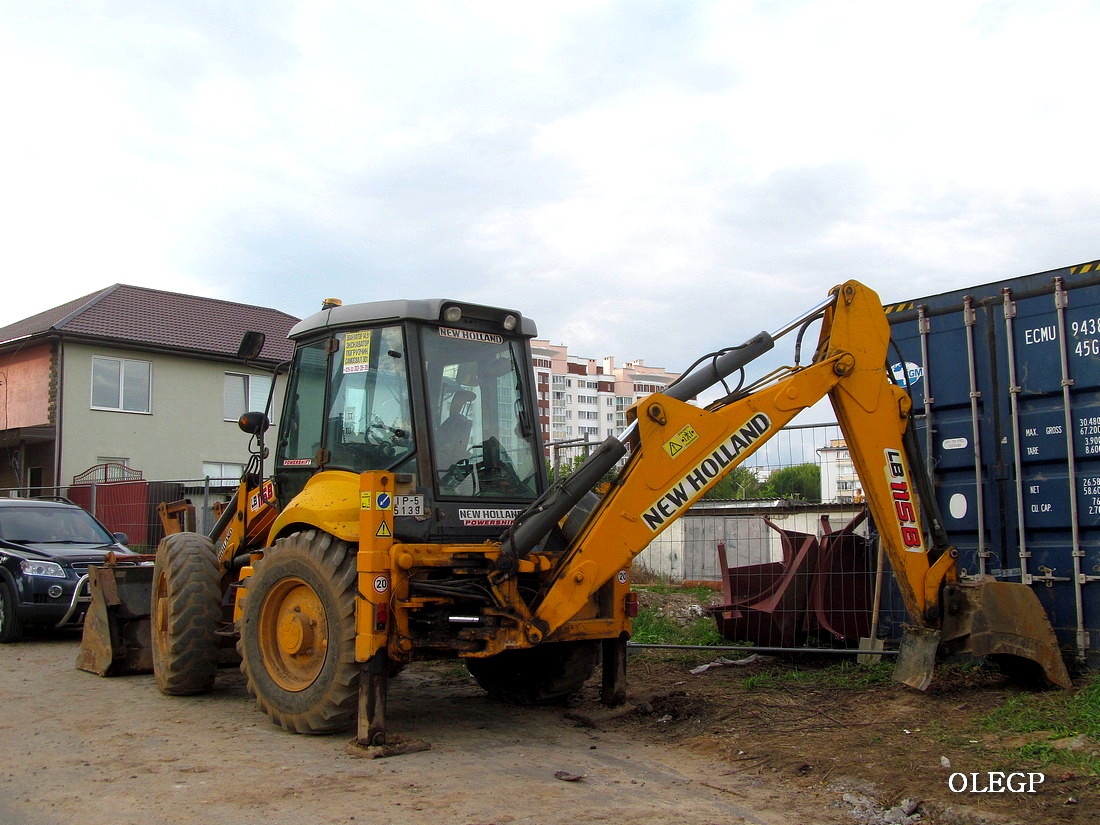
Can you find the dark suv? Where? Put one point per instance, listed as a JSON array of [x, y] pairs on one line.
[[45, 549]]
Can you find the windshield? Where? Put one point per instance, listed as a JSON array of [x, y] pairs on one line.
[[366, 423], [483, 442], [51, 525]]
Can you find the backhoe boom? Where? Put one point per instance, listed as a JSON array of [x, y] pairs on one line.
[[678, 452]]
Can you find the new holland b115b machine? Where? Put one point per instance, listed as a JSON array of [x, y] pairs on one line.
[[409, 516]]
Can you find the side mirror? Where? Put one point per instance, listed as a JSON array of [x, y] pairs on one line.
[[122, 538], [254, 423], [252, 344]]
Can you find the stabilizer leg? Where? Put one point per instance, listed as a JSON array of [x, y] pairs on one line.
[[371, 739], [613, 691]]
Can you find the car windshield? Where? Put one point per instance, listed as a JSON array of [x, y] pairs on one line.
[[51, 525]]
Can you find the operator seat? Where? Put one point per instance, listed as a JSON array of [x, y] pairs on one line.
[[452, 439]]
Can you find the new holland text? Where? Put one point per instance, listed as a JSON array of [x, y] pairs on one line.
[[714, 465]]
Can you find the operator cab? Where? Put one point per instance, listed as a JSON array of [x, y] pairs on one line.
[[438, 392]]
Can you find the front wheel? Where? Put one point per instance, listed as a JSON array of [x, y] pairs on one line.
[[11, 623], [542, 675], [186, 611], [297, 634]]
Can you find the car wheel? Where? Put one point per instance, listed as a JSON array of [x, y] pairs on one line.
[[11, 623]]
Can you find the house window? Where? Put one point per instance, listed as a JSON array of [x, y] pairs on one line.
[[244, 393], [222, 473], [121, 385]]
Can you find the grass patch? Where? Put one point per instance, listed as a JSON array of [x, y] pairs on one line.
[[702, 594], [677, 620], [839, 675], [1060, 715], [652, 627]]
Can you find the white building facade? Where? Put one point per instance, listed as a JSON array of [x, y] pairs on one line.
[[585, 399], [840, 483]]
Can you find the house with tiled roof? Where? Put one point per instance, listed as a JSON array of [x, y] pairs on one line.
[[141, 377]]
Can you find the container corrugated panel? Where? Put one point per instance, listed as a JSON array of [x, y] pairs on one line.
[[1005, 382]]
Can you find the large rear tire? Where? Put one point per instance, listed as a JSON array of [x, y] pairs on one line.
[[186, 611], [542, 675], [297, 634]]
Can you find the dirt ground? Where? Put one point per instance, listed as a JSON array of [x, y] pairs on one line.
[[75, 748]]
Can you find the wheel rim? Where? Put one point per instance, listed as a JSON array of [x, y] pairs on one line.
[[160, 613], [293, 634]]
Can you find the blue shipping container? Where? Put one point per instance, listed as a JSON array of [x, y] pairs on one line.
[[1005, 382]]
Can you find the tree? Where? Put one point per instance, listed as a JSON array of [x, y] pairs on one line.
[[569, 466], [740, 483], [800, 481]]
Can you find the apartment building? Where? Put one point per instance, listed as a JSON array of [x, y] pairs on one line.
[[586, 399], [840, 483]]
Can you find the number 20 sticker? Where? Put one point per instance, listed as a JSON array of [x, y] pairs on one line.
[[622, 577], [381, 584]]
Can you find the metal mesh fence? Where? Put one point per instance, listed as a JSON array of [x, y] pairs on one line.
[[819, 447], [785, 573], [792, 558], [131, 507]]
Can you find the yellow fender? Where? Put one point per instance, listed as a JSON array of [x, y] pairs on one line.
[[329, 502]]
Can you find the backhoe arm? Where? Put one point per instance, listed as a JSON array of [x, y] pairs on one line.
[[681, 451], [873, 414], [678, 452]]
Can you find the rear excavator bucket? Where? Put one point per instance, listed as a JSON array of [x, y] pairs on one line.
[[117, 630], [1000, 620], [1005, 621]]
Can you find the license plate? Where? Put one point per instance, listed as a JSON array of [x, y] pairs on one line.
[[408, 506]]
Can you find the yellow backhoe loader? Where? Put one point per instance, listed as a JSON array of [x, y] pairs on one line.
[[409, 516]]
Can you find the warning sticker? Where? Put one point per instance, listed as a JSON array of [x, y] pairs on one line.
[[470, 335], [486, 517], [384, 531], [357, 351], [676, 444], [365, 501]]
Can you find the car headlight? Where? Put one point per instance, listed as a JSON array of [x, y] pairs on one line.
[[43, 568]]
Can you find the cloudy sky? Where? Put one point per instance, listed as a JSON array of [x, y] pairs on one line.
[[646, 178]]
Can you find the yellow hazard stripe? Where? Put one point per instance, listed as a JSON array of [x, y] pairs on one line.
[[898, 307]]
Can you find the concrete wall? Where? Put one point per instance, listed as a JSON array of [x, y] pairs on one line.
[[184, 427], [687, 551]]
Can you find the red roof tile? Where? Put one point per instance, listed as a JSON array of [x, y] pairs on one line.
[[154, 318]]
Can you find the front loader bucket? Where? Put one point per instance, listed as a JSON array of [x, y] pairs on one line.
[[117, 637], [1005, 621]]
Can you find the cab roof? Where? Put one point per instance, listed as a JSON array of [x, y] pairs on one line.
[[430, 310]]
